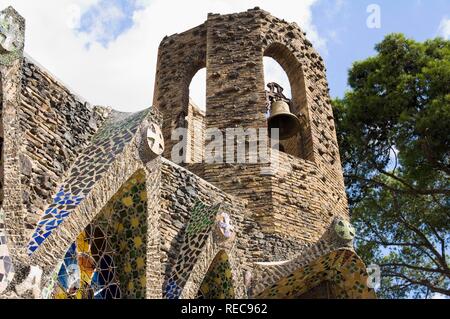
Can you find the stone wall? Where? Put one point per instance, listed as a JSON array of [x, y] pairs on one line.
[[180, 189], [179, 59], [11, 191], [196, 134], [287, 44], [233, 52], [55, 126], [305, 200], [1, 142]]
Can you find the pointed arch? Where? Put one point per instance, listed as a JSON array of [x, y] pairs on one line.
[[115, 249], [199, 249], [108, 258], [301, 144], [341, 273], [215, 264], [56, 244], [195, 118], [218, 282], [180, 57], [95, 177]]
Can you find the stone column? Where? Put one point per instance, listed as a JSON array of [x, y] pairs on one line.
[[180, 56], [151, 146], [12, 33], [154, 276]]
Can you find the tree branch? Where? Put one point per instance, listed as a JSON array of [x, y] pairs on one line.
[[427, 243], [414, 190], [424, 282], [432, 270]]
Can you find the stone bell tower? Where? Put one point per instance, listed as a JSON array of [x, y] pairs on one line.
[[301, 198]]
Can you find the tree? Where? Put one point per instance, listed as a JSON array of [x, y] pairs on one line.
[[394, 134]]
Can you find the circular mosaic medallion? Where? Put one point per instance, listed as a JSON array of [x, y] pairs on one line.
[[155, 139]]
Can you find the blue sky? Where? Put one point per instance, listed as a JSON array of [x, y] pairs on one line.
[[342, 23], [353, 40], [106, 50], [108, 19]]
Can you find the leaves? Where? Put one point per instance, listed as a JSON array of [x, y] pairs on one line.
[[394, 132]]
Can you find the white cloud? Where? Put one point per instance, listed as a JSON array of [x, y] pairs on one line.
[[444, 28], [100, 30], [122, 74]]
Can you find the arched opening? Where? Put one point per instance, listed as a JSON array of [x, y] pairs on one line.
[[108, 259], [195, 117], [197, 89], [325, 290], [218, 281], [283, 68], [196, 237], [340, 274], [273, 72]]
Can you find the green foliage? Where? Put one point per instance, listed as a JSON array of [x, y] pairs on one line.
[[394, 135]]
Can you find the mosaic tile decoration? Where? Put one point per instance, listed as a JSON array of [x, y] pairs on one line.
[[342, 267], [107, 261], [128, 211], [88, 270], [89, 168], [6, 266], [225, 226], [218, 282], [47, 291], [197, 232]]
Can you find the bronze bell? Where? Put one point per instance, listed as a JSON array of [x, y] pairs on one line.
[[282, 118]]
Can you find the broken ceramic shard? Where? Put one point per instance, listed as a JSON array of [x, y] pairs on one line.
[[11, 38], [344, 229], [224, 224]]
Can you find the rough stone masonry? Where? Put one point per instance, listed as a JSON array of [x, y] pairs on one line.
[[92, 206]]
